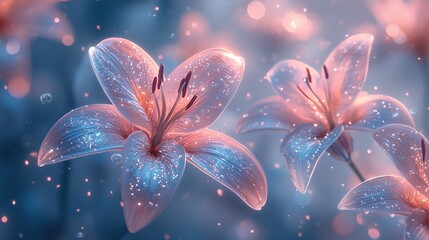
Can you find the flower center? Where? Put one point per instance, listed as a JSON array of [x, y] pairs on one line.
[[322, 106], [167, 119]]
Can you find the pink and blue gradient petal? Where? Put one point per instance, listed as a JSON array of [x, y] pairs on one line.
[[287, 78], [303, 148], [84, 131], [389, 194], [149, 180], [272, 113], [229, 163], [347, 66], [404, 146], [216, 75], [126, 72], [417, 227], [370, 112]]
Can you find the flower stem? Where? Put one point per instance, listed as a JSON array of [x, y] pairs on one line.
[[355, 170], [425, 70]]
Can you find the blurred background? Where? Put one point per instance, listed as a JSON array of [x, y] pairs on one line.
[[80, 199]]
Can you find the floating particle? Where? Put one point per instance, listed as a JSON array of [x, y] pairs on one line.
[[256, 10], [4, 219], [219, 192], [276, 165], [79, 235], [45, 98], [116, 158], [373, 233]]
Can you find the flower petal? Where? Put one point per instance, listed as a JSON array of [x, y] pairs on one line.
[[404, 146], [347, 67], [272, 114], [389, 194], [303, 148], [84, 131], [126, 72], [229, 163], [288, 77], [417, 225], [216, 75], [374, 111], [149, 181]]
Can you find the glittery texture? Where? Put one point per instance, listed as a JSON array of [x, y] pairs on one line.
[[390, 194], [393, 194], [403, 144], [229, 163], [417, 225], [370, 112], [125, 71], [154, 112], [216, 75], [84, 131], [149, 180], [303, 148], [327, 100]]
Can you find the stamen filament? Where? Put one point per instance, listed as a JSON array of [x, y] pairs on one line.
[[191, 102], [423, 149]]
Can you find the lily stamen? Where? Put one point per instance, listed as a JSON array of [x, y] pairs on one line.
[[422, 142]]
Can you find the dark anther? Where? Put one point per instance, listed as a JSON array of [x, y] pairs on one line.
[[180, 85], [154, 84], [191, 102], [325, 70], [187, 79], [308, 75], [423, 149], [160, 75]]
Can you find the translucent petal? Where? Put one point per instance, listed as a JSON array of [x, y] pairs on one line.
[[417, 227], [373, 111], [149, 180], [347, 67], [303, 148], [216, 75], [84, 131], [389, 194], [288, 77], [272, 114], [126, 72], [404, 146], [229, 163]]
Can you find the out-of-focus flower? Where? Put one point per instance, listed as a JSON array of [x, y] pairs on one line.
[[319, 110], [160, 124], [404, 21], [393, 194], [275, 18], [21, 20], [193, 36]]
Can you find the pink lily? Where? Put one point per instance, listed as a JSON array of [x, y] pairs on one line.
[[21, 20], [319, 110], [407, 195], [159, 124]]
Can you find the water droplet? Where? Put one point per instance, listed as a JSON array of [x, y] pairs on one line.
[[45, 98], [116, 158]]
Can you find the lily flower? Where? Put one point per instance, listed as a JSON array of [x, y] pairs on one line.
[[318, 111], [407, 195], [160, 124], [21, 20]]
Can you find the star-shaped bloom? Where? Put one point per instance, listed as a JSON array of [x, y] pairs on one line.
[[318, 111], [407, 195], [21, 20], [160, 123], [406, 22]]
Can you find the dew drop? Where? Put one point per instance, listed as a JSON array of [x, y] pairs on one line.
[[79, 235], [116, 158], [45, 98]]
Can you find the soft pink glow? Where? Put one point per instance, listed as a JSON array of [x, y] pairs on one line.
[[256, 9], [18, 87]]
